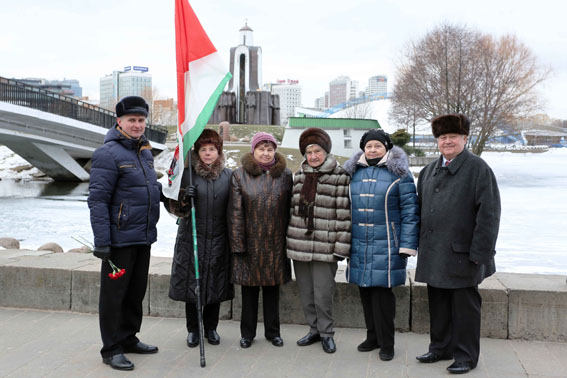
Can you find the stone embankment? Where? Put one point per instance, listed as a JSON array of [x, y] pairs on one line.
[[515, 306]]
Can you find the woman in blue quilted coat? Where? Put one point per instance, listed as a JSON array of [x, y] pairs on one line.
[[385, 231]]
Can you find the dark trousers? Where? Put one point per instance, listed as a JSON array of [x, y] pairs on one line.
[[120, 301], [210, 317], [455, 323], [379, 306], [249, 318]]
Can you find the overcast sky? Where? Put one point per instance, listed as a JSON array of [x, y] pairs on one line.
[[312, 41]]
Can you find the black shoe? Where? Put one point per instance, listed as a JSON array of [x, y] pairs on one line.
[[431, 357], [386, 354], [192, 339], [308, 339], [118, 362], [141, 348], [460, 367], [367, 346], [276, 341], [245, 343], [328, 344], [213, 337]]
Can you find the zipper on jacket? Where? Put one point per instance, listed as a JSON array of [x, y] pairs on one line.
[[388, 232], [395, 234], [148, 215], [119, 214], [127, 166]]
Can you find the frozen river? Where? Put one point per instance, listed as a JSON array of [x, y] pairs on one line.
[[532, 239]]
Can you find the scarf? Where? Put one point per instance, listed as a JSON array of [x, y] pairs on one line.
[[266, 167], [307, 199]]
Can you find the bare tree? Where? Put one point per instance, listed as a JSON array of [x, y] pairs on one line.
[[457, 70], [360, 110], [162, 111]]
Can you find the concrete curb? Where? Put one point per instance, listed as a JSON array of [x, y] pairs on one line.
[[515, 306]]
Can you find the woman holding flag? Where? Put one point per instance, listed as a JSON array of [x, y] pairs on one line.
[[258, 216], [209, 190]]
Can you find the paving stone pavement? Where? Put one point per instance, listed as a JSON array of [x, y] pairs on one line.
[[36, 343]]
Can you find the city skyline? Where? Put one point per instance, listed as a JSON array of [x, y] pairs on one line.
[[313, 42]]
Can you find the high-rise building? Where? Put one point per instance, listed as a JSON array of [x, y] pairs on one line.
[[290, 97], [341, 90], [320, 103], [377, 85], [133, 81]]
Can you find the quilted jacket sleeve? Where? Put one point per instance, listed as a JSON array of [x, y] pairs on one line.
[[409, 216], [103, 178]]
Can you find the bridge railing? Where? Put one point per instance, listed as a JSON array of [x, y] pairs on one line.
[[18, 93]]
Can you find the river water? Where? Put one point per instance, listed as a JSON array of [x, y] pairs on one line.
[[532, 239]]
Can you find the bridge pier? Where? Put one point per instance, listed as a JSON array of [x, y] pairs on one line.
[[50, 159]]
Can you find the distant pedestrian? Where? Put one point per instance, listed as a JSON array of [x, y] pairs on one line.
[[385, 231], [258, 216], [210, 190], [124, 202], [319, 233], [460, 217]]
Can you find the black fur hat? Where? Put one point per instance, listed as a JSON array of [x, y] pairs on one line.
[[132, 105], [450, 123], [379, 135], [314, 135]]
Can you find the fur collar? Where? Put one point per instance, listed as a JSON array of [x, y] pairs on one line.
[[328, 165], [396, 161], [253, 169], [208, 172]]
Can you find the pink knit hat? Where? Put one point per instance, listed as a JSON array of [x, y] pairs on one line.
[[263, 137]]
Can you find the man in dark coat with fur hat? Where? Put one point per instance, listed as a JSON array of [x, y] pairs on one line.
[[460, 217], [124, 202]]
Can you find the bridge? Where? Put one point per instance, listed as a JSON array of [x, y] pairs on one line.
[[353, 102], [55, 133]]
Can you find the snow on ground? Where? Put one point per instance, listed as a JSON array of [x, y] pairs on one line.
[[11, 166]]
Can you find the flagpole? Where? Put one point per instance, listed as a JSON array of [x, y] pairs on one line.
[[197, 276]]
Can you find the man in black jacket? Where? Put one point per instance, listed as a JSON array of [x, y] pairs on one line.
[[124, 201], [460, 217]]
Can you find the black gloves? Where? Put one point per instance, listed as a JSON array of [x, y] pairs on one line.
[[102, 253], [163, 198], [190, 192]]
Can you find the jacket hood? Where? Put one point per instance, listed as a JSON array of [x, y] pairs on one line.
[[250, 165], [396, 162], [209, 172]]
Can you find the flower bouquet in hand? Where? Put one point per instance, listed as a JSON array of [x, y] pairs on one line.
[[103, 253]]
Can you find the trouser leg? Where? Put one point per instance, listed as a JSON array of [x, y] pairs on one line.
[[249, 317], [466, 312], [210, 317], [367, 309], [271, 304], [323, 290], [120, 301], [384, 304], [304, 279], [440, 321]]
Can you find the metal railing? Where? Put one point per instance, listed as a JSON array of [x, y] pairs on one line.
[[18, 93]]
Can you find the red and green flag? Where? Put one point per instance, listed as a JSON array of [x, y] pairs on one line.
[[201, 78]]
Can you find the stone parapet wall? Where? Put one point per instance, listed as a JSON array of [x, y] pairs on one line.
[[515, 306]]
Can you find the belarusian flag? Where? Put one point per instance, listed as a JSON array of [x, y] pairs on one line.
[[201, 78]]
